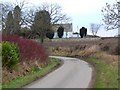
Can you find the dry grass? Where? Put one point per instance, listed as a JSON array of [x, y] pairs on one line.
[[108, 45], [21, 70]]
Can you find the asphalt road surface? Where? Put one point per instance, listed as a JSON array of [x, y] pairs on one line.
[[74, 73]]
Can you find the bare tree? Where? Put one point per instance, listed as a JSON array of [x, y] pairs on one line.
[[29, 17], [22, 4], [25, 12], [110, 15], [6, 7], [28, 14], [94, 28], [55, 11]]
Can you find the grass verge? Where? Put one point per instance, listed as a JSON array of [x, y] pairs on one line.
[[106, 74], [33, 75]]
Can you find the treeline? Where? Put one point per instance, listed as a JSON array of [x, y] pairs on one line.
[[36, 24]]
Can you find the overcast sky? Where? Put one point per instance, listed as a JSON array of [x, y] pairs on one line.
[[82, 12]]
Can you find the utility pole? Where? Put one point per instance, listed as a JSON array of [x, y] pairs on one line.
[[78, 33]]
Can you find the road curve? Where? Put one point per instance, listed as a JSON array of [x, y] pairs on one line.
[[74, 73]]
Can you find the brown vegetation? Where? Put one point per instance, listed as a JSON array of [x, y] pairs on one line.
[[105, 48], [21, 70], [102, 54]]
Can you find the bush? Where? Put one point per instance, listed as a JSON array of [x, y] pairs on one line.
[[29, 49], [25, 32], [115, 50], [105, 48], [10, 55], [50, 34]]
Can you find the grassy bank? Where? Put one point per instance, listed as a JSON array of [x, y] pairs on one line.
[[106, 74], [33, 75]]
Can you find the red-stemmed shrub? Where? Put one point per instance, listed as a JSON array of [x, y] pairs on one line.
[[29, 49]]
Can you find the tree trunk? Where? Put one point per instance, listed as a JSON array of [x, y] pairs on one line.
[[42, 40]]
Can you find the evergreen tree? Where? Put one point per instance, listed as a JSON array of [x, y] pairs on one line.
[[9, 23], [41, 24], [83, 32], [60, 32], [17, 19], [50, 34]]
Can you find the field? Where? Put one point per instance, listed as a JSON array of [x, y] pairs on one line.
[[102, 53]]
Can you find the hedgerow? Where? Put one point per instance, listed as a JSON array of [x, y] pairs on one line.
[[28, 49]]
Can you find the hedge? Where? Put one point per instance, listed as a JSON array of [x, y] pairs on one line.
[[10, 54]]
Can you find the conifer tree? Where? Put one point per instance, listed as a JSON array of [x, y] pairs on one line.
[[9, 24], [41, 24], [17, 19], [60, 32]]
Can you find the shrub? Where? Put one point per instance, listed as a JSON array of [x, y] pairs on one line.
[[50, 34], [25, 32], [10, 54], [115, 50], [29, 49], [104, 47], [110, 48]]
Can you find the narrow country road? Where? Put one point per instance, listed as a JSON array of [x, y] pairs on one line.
[[74, 73]]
